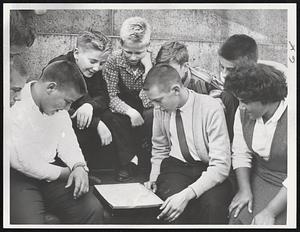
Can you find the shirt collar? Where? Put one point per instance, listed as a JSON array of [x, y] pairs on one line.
[[280, 110], [27, 95], [278, 113]]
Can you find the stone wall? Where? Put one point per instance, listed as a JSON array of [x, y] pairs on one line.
[[202, 30]]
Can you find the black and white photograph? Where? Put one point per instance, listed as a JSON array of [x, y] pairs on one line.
[[149, 115]]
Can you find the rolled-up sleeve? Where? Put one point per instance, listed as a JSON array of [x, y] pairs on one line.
[[241, 155]]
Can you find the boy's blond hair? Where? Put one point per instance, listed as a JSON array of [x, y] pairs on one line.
[[94, 40], [135, 29]]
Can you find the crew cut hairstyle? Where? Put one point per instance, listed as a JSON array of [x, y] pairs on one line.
[[96, 40], [257, 82], [239, 46], [172, 51], [66, 75], [163, 76], [135, 29]]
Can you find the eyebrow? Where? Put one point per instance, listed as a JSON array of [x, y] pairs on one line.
[[92, 59]]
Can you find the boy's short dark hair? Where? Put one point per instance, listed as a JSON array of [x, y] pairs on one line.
[[94, 40], [21, 33], [239, 46], [162, 76], [257, 82], [172, 51], [18, 65], [66, 75]]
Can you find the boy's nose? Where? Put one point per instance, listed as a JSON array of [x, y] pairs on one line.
[[17, 96], [96, 67], [133, 57]]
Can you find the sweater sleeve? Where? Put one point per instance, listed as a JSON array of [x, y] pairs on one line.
[[97, 94], [160, 144], [218, 151], [68, 148]]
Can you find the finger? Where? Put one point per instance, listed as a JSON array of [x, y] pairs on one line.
[[250, 206], [78, 120], [82, 121], [105, 142], [237, 211], [232, 206], [162, 213], [154, 188], [85, 121], [165, 203], [141, 121], [89, 121], [171, 217], [82, 189], [74, 115], [167, 211], [70, 180], [147, 185], [110, 139], [76, 188]]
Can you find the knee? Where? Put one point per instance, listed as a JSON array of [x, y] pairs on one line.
[[94, 210], [244, 217]]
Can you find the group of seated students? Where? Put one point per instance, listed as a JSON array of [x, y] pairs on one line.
[[94, 97]]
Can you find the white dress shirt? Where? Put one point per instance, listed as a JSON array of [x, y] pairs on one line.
[[263, 134], [186, 112], [36, 138]]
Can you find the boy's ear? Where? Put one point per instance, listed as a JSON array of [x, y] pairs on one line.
[[175, 88], [51, 87], [186, 65], [75, 53]]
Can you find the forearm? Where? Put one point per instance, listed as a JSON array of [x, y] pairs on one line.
[[68, 148], [118, 106], [278, 203], [243, 178]]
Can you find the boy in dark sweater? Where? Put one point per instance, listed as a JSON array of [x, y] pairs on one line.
[[90, 114]]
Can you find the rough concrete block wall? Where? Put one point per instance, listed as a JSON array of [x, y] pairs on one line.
[[203, 31]]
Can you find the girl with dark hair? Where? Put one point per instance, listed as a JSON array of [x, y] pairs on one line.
[[260, 145]]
